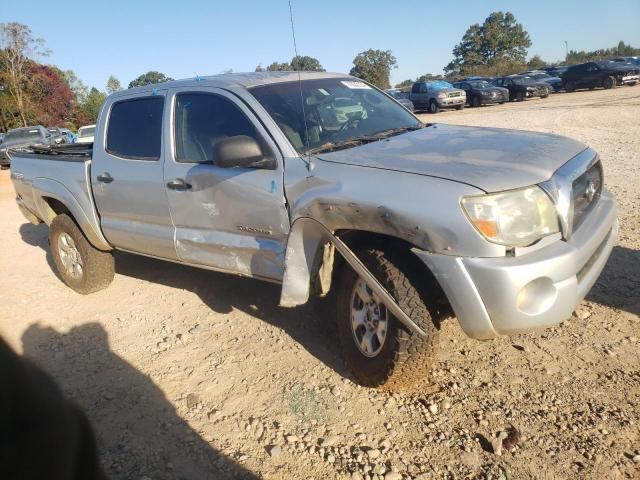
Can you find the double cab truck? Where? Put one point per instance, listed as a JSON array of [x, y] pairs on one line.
[[604, 73], [434, 95], [400, 223]]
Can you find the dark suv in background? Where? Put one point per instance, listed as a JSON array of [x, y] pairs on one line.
[[606, 74], [481, 92], [521, 87]]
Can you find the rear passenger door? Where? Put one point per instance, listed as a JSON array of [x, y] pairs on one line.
[[127, 175], [229, 219]]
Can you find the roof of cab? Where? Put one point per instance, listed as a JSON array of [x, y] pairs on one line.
[[246, 80]]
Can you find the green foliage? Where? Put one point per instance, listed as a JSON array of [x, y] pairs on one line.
[[404, 84], [92, 104], [374, 66], [620, 50], [500, 40], [113, 85], [279, 67], [304, 63], [428, 76], [536, 63], [150, 78], [301, 63]]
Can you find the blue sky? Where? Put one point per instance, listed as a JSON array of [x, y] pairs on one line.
[[189, 37]]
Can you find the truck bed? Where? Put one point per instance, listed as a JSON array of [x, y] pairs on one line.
[[46, 177]]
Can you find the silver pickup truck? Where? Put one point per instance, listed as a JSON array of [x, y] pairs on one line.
[[405, 222]]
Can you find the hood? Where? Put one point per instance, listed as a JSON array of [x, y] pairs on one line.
[[493, 88], [491, 159]]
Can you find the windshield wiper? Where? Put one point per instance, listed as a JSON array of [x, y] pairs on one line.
[[352, 142]]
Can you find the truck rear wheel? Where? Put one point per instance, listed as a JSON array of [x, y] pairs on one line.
[[81, 266], [380, 350], [609, 83]]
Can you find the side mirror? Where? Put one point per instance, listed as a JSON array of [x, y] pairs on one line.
[[240, 151]]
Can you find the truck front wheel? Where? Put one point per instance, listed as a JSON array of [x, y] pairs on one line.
[[433, 106], [380, 350], [81, 266]]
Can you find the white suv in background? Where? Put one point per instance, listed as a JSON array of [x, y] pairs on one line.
[[85, 134]]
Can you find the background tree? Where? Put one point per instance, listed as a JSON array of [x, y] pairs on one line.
[[50, 98], [620, 50], [304, 63], [19, 46], [90, 108], [113, 85], [259, 68], [279, 67], [536, 63], [374, 66], [499, 41], [427, 77], [150, 78], [404, 84]]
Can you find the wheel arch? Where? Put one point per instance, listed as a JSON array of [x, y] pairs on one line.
[[311, 263]]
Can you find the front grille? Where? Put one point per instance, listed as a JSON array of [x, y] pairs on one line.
[[586, 190], [453, 94]]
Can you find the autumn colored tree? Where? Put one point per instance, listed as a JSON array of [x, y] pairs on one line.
[[50, 98], [19, 46]]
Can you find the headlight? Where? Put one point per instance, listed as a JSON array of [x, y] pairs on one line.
[[442, 95], [516, 218], [484, 93]]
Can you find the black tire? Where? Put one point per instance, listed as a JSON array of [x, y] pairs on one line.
[[404, 358], [97, 267], [609, 83], [631, 84], [519, 96], [433, 106], [459, 107], [569, 87], [475, 101]]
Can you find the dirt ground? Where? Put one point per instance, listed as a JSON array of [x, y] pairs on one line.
[[190, 374]]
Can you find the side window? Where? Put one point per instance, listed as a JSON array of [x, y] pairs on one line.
[[424, 88], [135, 128], [203, 119], [415, 88]]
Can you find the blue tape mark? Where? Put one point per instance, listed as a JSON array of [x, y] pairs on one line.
[[199, 79], [273, 186], [154, 91]]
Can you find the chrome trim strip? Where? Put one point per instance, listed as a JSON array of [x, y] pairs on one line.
[[560, 186]]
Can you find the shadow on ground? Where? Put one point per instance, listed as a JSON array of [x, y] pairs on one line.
[[311, 325], [139, 432], [619, 282]]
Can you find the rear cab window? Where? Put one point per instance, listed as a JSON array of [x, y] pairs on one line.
[[135, 128]]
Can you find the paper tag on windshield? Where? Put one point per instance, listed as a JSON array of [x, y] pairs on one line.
[[350, 84]]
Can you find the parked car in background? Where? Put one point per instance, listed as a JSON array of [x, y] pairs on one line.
[[556, 70], [541, 76], [605, 74], [510, 229], [481, 92], [57, 136], [401, 97], [522, 87], [437, 94], [628, 60], [22, 137], [85, 134], [69, 135]]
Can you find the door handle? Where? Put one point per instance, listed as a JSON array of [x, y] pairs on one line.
[[105, 177], [178, 184]]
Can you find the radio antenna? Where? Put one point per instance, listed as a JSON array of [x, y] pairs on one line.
[[308, 162]]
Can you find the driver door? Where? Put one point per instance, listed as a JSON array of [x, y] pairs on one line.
[[228, 219]]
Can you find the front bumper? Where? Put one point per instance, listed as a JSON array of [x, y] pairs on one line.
[[5, 161], [451, 102], [501, 296], [630, 79], [499, 98]]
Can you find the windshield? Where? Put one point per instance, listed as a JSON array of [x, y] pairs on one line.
[[22, 134], [440, 84], [480, 84], [336, 112], [539, 76], [86, 131], [398, 95]]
